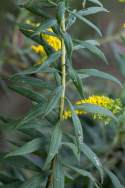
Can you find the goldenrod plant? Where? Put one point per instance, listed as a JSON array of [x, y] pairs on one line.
[[54, 153]]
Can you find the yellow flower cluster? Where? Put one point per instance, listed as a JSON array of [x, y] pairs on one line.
[[114, 106], [53, 41]]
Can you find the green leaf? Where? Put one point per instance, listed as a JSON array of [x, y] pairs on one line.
[[84, 173], [92, 48], [114, 179], [89, 23], [45, 25], [100, 74], [93, 158], [76, 80], [77, 126], [61, 11], [70, 20], [34, 70], [58, 175], [91, 108], [20, 162], [54, 100], [51, 59], [73, 148], [37, 8], [68, 44], [32, 95], [11, 185], [33, 182], [55, 143], [27, 148], [35, 82], [92, 10], [35, 112], [96, 2]]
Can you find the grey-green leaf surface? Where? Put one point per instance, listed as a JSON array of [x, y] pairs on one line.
[[33, 182], [35, 82], [92, 48], [92, 10], [76, 80], [77, 126], [93, 158], [11, 185], [96, 2], [84, 173], [58, 175], [115, 181], [100, 74], [55, 143], [89, 23], [54, 100], [95, 109], [27, 148], [45, 25], [26, 92], [73, 148]]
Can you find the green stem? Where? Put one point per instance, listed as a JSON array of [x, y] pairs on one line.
[[63, 60], [62, 100]]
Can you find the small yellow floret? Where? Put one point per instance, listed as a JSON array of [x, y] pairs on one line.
[[53, 41], [38, 49], [114, 106]]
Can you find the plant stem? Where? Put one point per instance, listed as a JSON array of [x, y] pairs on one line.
[[63, 60], [62, 100]]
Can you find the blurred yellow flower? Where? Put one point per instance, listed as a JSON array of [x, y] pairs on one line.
[[114, 106], [53, 41]]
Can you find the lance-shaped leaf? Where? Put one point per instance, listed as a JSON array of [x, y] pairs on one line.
[[45, 25], [76, 80], [58, 175], [93, 158], [35, 82], [96, 2], [55, 143], [61, 11], [115, 181], [98, 73], [51, 59], [95, 109], [89, 23], [33, 182], [27, 148], [77, 126], [92, 10], [32, 95], [53, 101], [84, 173], [20, 162], [91, 47], [68, 44], [73, 148], [11, 185], [35, 112]]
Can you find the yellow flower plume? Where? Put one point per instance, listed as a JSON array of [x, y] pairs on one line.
[[114, 106], [53, 41]]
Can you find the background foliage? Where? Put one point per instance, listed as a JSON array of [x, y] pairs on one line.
[[21, 126]]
